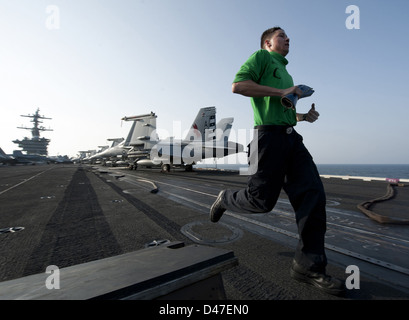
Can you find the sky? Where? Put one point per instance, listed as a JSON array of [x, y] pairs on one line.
[[86, 64]]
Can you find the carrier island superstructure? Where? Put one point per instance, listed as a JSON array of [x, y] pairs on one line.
[[35, 145]]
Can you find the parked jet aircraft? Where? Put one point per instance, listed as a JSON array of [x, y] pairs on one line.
[[109, 152], [60, 159], [82, 155], [88, 155], [138, 136], [143, 138], [19, 158], [6, 159], [29, 158], [203, 140]]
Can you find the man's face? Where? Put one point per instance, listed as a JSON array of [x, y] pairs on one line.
[[279, 42]]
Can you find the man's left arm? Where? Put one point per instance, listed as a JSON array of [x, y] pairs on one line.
[[311, 116]]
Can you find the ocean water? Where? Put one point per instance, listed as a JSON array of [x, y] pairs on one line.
[[392, 171]]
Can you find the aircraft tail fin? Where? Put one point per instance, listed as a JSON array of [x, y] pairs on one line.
[[141, 131], [5, 158], [129, 137], [223, 128], [203, 126], [17, 153]]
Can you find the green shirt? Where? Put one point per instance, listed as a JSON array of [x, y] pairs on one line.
[[268, 69]]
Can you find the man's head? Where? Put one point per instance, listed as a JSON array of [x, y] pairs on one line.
[[275, 39]]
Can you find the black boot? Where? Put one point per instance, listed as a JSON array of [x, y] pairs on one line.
[[217, 210], [320, 280]]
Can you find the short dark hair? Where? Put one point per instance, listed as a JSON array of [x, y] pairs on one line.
[[267, 34]]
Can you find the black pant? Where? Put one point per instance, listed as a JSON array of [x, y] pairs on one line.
[[284, 162]]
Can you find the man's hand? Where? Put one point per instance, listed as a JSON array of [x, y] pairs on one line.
[[312, 115], [291, 90], [291, 95]]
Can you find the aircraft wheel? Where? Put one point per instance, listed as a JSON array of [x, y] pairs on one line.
[[165, 168]]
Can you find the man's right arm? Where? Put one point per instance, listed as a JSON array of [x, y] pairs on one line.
[[249, 88]]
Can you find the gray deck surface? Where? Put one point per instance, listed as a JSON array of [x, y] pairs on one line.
[[72, 214]]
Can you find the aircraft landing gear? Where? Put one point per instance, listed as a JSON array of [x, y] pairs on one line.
[[165, 167]]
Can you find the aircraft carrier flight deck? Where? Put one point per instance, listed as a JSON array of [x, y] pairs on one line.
[[69, 214]]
